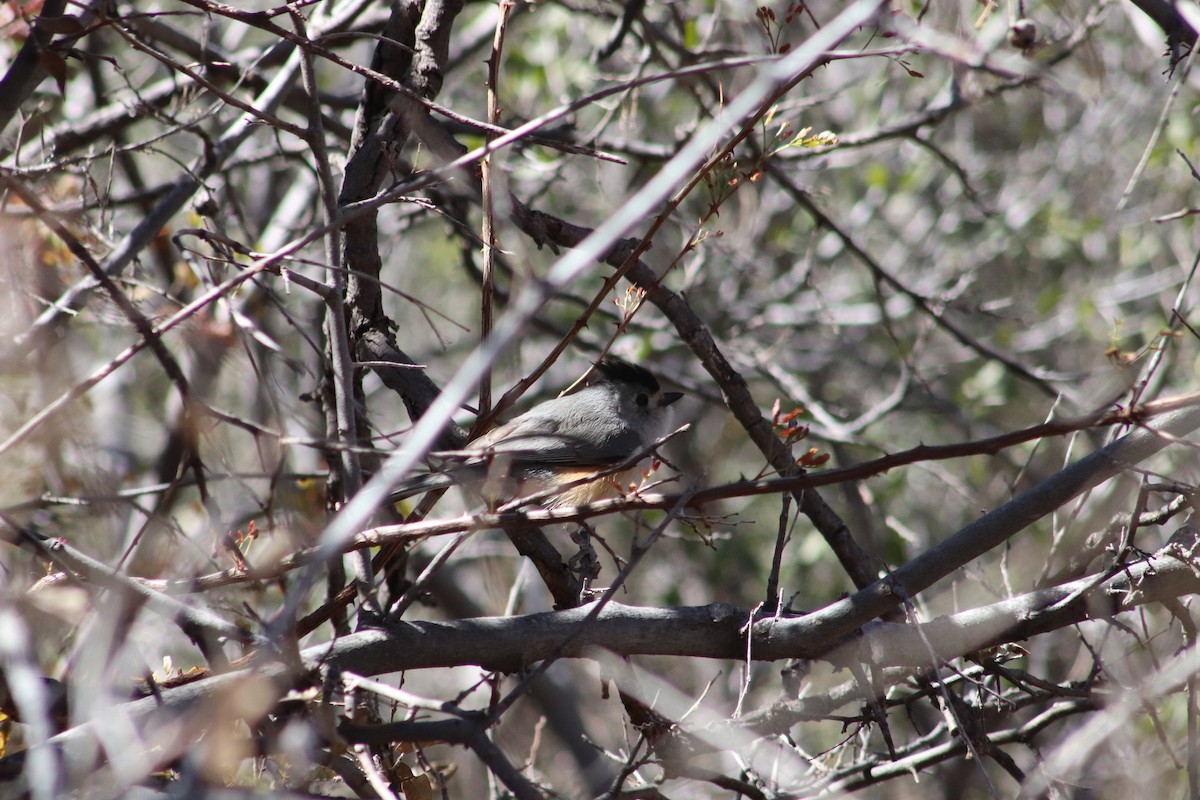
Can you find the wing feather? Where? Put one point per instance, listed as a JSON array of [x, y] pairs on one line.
[[601, 439]]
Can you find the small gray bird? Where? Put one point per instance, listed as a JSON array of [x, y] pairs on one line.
[[568, 442]]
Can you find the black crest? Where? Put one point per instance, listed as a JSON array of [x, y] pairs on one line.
[[619, 370]]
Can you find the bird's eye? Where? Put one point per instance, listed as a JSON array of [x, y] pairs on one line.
[[643, 399]]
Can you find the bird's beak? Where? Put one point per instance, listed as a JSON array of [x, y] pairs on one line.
[[669, 397]]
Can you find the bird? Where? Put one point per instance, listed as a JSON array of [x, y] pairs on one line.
[[566, 448]]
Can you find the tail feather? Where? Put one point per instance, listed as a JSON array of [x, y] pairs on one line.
[[420, 485]]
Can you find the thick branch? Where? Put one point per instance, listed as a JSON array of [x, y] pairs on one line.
[[27, 70], [717, 631], [1181, 36]]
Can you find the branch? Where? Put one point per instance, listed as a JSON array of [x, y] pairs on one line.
[[27, 70], [644, 501], [860, 775], [997, 526], [204, 628], [717, 631], [1181, 36], [149, 227], [471, 732]]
